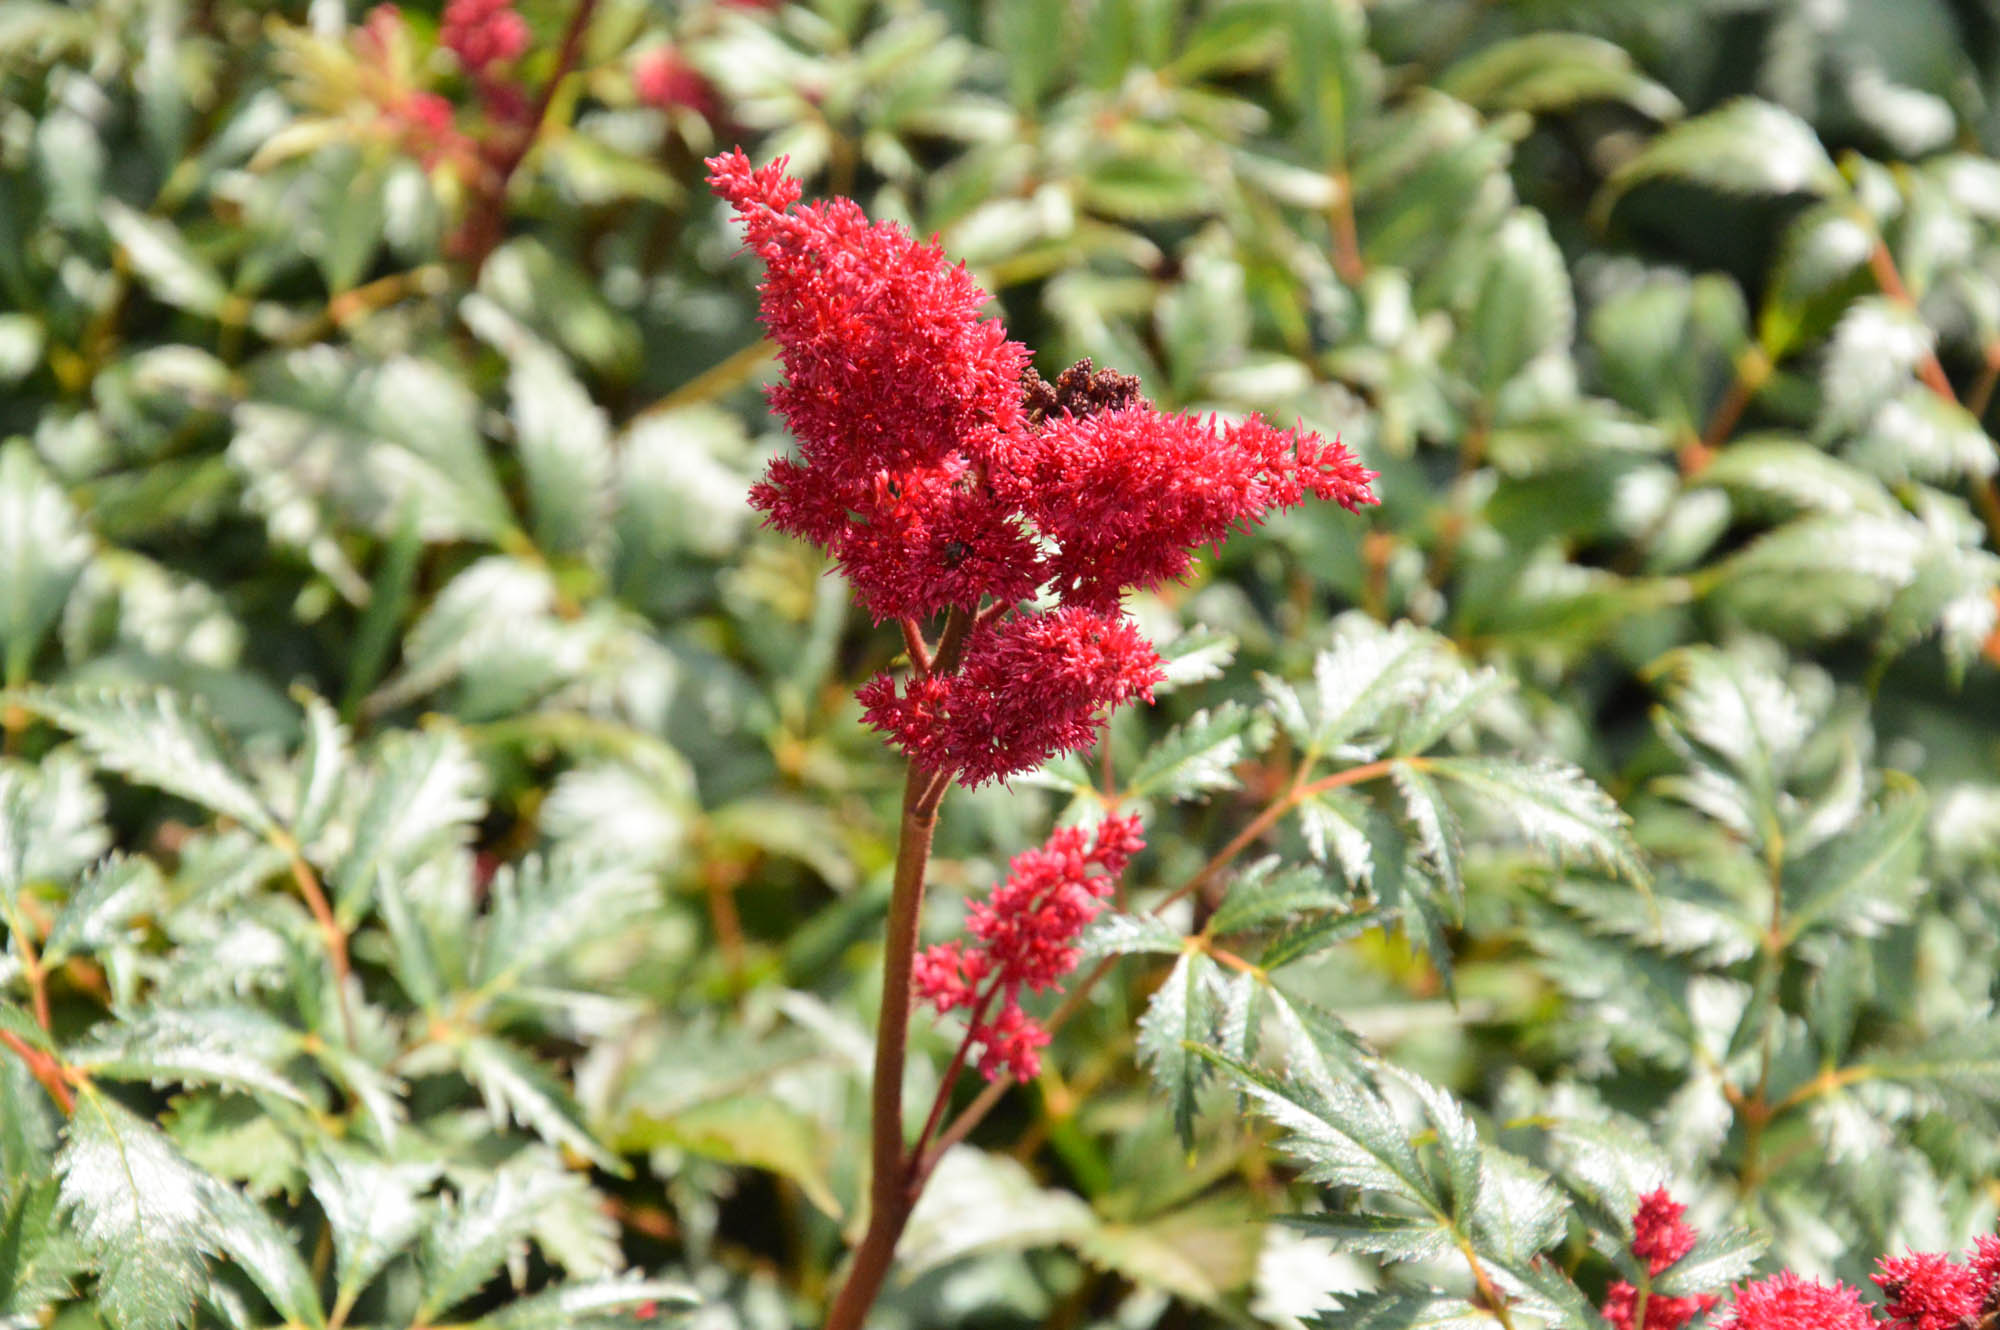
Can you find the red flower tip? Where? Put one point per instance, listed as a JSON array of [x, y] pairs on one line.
[[1659, 1237], [665, 79], [1786, 1302], [483, 33]]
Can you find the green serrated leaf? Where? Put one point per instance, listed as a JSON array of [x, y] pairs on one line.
[[141, 1213], [1718, 1259], [515, 1087], [156, 737], [424, 792], [1176, 1020], [564, 437], [1745, 146], [1197, 757], [1863, 877], [236, 1047], [1313, 936], [1115, 934], [474, 1235], [1555, 71], [373, 1207], [1553, 805]]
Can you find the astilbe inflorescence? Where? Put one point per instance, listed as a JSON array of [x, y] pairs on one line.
[[1024, 936], [942, 475], [1660, 1237], [1924, 1290]]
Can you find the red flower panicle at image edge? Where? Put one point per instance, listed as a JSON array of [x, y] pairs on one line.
[[1931, 1291], [1024, 936], [1659, 1238]]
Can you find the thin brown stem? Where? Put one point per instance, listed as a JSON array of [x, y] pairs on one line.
[[1495, 1300], [330, 931], [43, 1068], [1985, 491], [37, 977], [950, 1078], [1347, 261], [486, 225]]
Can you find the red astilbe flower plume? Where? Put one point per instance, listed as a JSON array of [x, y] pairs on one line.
[[1787, 1302], [1024, 936], [941, 473], [1659, 1238], [888, 367], [1032, 687]]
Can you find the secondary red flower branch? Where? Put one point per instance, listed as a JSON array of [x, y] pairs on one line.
[[946, 478]]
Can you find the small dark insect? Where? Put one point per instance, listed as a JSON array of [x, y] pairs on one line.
[[955, 552]]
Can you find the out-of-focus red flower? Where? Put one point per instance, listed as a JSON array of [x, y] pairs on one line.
[[483, 33], [663, 78], [1025, 937]]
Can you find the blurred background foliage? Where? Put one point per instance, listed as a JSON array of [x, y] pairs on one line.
[[440, 859]]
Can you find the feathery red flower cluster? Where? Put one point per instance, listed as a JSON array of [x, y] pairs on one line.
[[483, 33], [1659, 1238], [1025, 935], [1925, 1290], [1931, 1291], [488, 36], [942, 474]]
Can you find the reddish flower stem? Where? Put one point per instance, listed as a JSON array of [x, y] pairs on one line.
[[893, 1187], [951, 1073], [487, 223], [43, 1068]]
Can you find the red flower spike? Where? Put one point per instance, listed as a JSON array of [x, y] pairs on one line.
[[1930, 1291], [1621, 1301], [1031, 687], [1786, 1302], [1659, 1238], [1025, 937], [888, 365]]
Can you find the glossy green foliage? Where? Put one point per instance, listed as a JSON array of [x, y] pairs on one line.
[[441, 866]]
